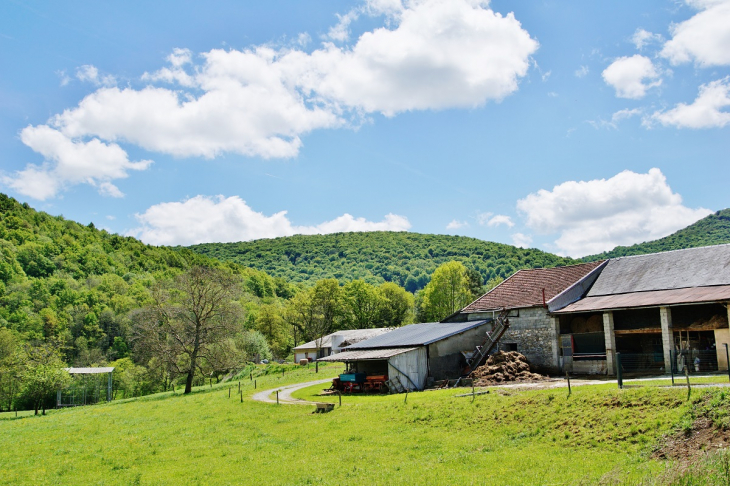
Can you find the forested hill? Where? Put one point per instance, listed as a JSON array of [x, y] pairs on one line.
[[407, 259], [59, 278], [712, 230]]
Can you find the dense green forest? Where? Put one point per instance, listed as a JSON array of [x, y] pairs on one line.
[[407, 259], [711, 230], [73, 295], [68, 293]]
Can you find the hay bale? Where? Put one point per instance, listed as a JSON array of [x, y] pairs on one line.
[[303, 362]]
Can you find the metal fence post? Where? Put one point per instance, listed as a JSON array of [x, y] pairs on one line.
[[672, 360], [727, 358], [619, 374]]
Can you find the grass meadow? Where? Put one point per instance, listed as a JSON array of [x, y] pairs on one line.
[[598, 434]]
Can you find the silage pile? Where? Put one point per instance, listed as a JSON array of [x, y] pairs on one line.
[[503, 367]]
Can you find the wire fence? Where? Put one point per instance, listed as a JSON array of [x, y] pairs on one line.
[[687, 367]]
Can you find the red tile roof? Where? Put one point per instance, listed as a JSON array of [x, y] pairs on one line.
[[525, 287]]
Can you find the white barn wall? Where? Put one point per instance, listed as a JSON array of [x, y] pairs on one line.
[[412, 363]]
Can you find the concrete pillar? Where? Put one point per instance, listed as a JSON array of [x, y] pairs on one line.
[[555, 338], [610, 343], [665, 316], [722, 336]]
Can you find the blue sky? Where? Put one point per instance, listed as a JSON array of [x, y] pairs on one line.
[[570, 127]]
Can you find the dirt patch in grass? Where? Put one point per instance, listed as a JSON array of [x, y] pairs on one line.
[[703, 430], [687, 445], [503, 367]]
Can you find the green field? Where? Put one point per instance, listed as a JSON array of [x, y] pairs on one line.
[[597, 434]]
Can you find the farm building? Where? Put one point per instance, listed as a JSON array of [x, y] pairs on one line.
[[417, 353], [332, 343], [529, 295], [658, 311]]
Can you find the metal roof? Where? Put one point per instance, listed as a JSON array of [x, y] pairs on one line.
[[692, 267], [416, 334], [649, 299], [532, 287], [365, 354], [89, 371], [349, 334]]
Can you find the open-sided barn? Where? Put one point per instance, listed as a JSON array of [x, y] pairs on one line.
[[416, 353], [659, 310]]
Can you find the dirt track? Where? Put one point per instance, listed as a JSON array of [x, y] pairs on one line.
[[286, 391]]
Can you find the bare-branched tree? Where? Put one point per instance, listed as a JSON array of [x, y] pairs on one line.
[[188, 321]]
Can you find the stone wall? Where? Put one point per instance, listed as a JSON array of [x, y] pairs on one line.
[[534, 334]]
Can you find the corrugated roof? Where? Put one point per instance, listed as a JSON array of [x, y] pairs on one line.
[[649, 299], [692, 267], [416, 334], [89, 371], [365, 354], [524, 287], [350, 334]]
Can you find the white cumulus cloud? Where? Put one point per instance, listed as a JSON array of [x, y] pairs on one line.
[[521, 240], [705, 112], [627, 76], [595, 216], [500, 219], [68, 162], [456, 224], [260, 101], [643, 38], [704, 38], [90, 74], [204, 219]]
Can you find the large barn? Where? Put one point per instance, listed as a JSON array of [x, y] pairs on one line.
[[658, 311], [528, 295]]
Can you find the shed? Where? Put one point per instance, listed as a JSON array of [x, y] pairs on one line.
[[417, 352], [333, 343], [88, 386]]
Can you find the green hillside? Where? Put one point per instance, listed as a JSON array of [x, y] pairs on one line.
[[597, 435], [712, 230], [77, 284], [407, 259]]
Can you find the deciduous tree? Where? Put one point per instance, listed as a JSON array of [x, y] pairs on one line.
[[44, 373], [190, 316], [447, 292]]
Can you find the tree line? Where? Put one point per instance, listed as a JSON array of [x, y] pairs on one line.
[[83, 297], [404, 258]]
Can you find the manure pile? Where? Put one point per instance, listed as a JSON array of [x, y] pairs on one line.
[[503, 367]]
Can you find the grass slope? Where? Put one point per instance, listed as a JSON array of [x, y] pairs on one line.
[[712, 230], [535, 437], [407, 259]]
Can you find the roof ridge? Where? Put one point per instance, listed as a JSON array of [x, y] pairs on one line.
[[669, 251]]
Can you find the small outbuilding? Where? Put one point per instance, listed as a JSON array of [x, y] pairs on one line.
[[415, 354], [333, 343], [88, 386]]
